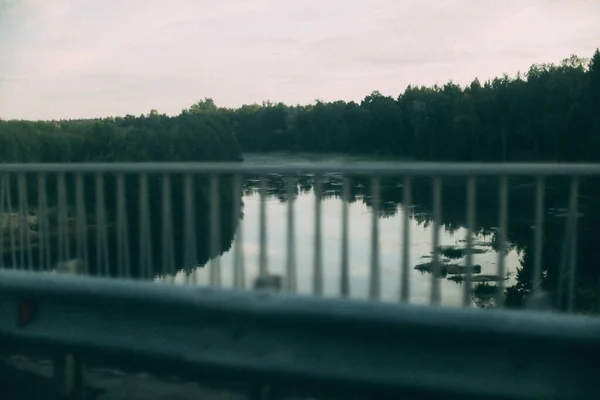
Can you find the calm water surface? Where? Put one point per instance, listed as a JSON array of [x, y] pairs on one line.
[[360, 222]]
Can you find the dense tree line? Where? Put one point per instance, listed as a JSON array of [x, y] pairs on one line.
[[153, 137], [549, 113]]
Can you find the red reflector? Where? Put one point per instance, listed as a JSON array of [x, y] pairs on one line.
[[27, 311]]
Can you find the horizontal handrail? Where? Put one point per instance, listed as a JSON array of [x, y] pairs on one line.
[[321, 343], [358, 168]]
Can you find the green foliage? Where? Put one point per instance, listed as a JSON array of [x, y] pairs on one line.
[[548, 114], [155, 137]]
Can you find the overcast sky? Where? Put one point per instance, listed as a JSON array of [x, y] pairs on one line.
[[87, 58]]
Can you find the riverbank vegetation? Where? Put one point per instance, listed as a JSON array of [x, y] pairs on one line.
[[548, 113], [152, 137]]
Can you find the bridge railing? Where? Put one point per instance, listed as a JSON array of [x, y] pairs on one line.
[[148, 221]]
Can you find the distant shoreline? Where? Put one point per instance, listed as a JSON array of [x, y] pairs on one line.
[[312, 157]]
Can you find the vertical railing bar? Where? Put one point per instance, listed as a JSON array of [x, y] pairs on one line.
[[190, 229], [2, 218], [345, 273], [538, 235], [471, 196], [146, 264], [215, 232], [405, 277], [150, 250], [318, 257], [562, 266], [142, 227], [11, 231], [81, 224], [168, 262], [28, 231], [290, 279], [79, 212], [120, 229], [99, 226], [239, 273], [122, 235], [59, 220], [66, 219], [22, 218], [573, 215], [262, 254], [375, 282], [502, 240], [43, 223], [102, 264], [64, 244], [437, 216], [79, 215]]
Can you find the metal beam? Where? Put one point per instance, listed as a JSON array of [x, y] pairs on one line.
[[440, 169]]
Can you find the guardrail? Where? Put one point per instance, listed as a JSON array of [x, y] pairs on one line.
[[303, 344], [340, 346]]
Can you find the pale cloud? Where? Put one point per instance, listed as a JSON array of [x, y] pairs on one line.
[[84, 58]]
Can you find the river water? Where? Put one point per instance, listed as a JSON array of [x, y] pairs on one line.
[[359, 234]]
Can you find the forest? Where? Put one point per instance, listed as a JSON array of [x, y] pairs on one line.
[[152, 137], [550, 113]]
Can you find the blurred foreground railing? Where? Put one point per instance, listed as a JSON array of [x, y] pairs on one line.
[[151, 220], [301, 345]]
